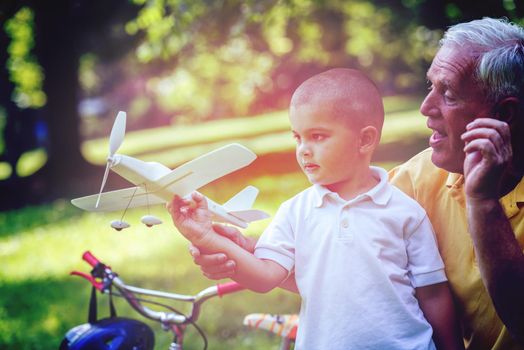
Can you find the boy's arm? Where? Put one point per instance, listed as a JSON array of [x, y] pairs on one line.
[[256, 274], [437, 305], [290, 284], [193, 220], [217, 266]]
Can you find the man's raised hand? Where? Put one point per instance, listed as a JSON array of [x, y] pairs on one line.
[[488, 156]]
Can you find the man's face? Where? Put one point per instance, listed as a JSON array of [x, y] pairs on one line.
[[454, 100]]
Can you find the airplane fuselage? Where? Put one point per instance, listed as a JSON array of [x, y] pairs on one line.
[[146, 174], [142, 174], [137, 171]]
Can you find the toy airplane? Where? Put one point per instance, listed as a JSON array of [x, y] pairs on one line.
[[156, 183]]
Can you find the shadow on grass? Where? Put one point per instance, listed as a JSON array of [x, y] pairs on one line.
[[35, 314]]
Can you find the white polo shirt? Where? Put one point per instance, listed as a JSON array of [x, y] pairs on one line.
[[356, 264]]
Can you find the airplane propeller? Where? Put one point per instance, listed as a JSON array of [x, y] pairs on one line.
[[115, 141]]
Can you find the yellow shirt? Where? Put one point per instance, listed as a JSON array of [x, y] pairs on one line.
[[441, 194]]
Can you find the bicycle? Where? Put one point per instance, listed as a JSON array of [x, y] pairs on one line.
[[114, 332]]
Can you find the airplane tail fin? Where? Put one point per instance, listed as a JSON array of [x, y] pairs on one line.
[[242, 200], [240, 205], [250, 215]]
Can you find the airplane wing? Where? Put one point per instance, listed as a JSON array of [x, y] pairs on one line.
[[181, 181], [117, 200], [202, 170]]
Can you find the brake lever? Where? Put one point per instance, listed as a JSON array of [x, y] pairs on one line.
[[98, 285]]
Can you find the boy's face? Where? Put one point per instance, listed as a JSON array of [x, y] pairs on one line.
[[327, 147]]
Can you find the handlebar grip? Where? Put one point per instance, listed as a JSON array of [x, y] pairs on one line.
[[90, 258], [229, 287]]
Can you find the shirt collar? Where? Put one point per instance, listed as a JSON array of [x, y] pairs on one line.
[[379, 194], [519, 191], [455, 181], [510, 200], [455, 185]]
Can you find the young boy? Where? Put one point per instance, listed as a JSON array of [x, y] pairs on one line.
[[360, 249]]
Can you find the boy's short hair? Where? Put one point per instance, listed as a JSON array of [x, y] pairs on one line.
[[350, 94]]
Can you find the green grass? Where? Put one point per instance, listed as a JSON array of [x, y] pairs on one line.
[[39, 301], [40, 245]]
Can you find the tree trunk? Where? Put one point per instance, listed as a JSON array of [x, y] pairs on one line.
[[56, 34]]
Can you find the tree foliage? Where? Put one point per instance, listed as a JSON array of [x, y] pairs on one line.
[[232, 57], [238, 57], [24, 70]]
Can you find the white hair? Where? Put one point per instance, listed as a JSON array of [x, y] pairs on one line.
[[498, 46]]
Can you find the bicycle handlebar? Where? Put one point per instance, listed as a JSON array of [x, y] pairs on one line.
[[228, 287], [90, 258], [108, 277]]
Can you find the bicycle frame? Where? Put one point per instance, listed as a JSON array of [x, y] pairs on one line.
[[102, 277]]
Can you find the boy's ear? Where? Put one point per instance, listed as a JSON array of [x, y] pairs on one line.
[[369, 138]]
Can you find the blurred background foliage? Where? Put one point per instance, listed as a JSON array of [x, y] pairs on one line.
[[192, 75], [67, 70], [234, 58], [24, 70]]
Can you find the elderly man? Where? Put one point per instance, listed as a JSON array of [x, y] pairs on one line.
[[470, 181]]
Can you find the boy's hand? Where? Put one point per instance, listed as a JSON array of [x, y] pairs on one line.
[[192, 218]]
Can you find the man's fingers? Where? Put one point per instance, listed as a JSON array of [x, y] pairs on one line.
[[500, 127], [491, 137], [217, 276], [194, 251], [209, 260], [486, 148], [224, 270], [486, 122], [214, 264], [484, 133], [489, 143]]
